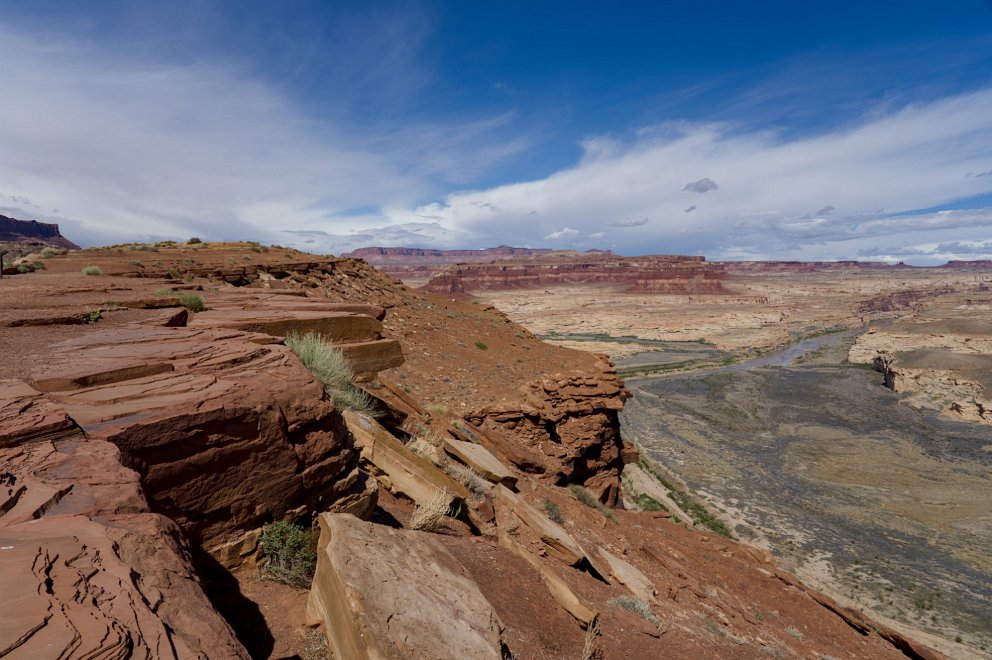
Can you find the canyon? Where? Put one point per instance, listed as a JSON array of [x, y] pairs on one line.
[[147, 441]]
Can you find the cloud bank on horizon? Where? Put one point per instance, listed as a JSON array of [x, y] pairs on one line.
[[119, 148]]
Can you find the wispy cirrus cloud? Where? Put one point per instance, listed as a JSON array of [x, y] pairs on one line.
[[116, 147]]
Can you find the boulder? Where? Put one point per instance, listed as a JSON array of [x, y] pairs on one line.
[[396, 594]]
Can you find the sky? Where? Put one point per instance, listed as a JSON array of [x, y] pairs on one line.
[[773, 130]]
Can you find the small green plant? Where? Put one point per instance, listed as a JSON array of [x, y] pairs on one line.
[[648, 503], [452, 315], [136, 263], [92, 270], [427, 515], [174, 274], [481, 346], [192, 302], [93, 315], [290, 553], [165, 292], [553, 511], [585, 496], [194, 240], [39, 265], [794, 632], [638, 607], [51, 252], [23, 268], [329, 366]]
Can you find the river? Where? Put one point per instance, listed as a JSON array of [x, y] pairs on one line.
[[883, 505]]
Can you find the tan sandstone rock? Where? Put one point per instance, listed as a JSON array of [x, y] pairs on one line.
[[396, 594]]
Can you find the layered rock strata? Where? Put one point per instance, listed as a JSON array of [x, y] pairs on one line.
[[654, 273]]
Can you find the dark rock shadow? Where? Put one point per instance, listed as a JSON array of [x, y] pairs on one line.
[[241, 613]]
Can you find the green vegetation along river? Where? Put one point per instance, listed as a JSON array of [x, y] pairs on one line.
[[885, 505]]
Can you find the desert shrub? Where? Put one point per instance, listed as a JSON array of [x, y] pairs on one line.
[[648, 503], [92, 270], [136, 263], [794, 632], [585, 496], [39, 265], [24, 268], [290, 553], [93, 315], [638, 607], [329, 366], [174, 273], [553, 511], [481, 346], [165, 292], [192, 302], [700, 514], [51, 252], [427, 515], [194, 240]]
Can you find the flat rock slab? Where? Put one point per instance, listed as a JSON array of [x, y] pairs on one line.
[[559, 543], [27, 416], [397, 594], [482, 461], [629, 575], [368, 358], [335, 326], [409, 474]]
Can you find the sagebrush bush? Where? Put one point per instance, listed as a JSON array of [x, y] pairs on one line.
[[92, 270], [329, 366], [290, 553], [638, 607], [194, 240], [553, 511]]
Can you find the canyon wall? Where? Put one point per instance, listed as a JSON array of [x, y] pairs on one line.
[[654, 273]]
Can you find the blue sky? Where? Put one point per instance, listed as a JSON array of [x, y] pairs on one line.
[[792, 130]]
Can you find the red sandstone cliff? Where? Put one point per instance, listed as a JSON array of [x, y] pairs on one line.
[[653, 273]]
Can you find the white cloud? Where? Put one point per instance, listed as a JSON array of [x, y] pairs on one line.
[[915, 158], [564, 232], [120, 149]]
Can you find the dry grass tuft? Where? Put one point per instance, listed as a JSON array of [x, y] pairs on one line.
[[427, 515], [590, 649], [329, 365]]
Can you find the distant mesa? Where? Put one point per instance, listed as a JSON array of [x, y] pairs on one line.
[[22, 236]]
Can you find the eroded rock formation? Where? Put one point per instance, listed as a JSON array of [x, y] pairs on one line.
[[943, 365]]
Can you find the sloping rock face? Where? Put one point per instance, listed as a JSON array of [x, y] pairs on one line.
[[87, 570], [942, 365], [654, 273], [396, 594], [227, 430]]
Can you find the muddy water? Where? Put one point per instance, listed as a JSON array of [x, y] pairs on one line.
[[883, 504]]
